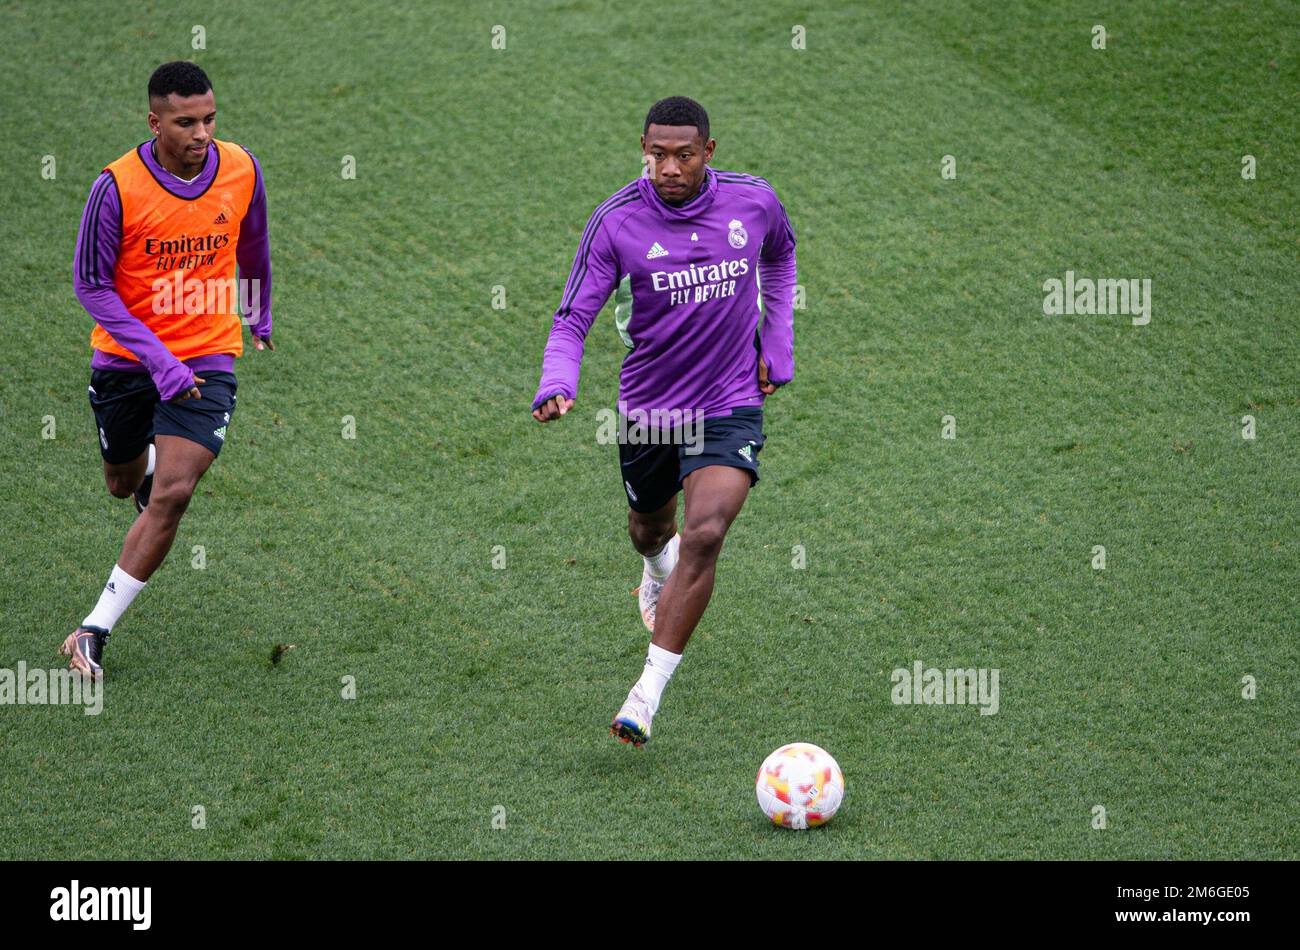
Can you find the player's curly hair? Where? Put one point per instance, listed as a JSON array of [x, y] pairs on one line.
[[678, 110], [181, 77]]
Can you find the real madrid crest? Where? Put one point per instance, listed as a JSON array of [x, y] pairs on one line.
[[736, 235]]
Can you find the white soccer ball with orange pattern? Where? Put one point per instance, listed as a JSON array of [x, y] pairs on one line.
[[800, 785]]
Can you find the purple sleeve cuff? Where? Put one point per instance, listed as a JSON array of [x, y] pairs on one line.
[[562, 361]]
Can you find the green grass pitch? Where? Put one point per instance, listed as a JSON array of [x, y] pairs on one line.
[[479, 687]]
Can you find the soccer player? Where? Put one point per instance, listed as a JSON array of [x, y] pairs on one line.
[[684, 247], [161, 236]]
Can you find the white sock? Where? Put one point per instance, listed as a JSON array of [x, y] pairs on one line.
[[148, 469], [659, 667], [661, 565], [117, 596]]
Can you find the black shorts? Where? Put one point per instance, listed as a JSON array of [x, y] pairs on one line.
[[129, 412], [653, 474]]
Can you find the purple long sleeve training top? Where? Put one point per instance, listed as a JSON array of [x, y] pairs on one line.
[[100, 234], [688, 301]]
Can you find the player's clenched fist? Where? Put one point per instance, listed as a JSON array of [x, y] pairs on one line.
[[553, 408]]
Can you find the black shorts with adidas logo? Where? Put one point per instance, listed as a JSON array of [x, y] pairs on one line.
[[653, 474], [129, 412]]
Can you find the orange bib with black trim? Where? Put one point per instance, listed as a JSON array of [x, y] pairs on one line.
[[176, 268]]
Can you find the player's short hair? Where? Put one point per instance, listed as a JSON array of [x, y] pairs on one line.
[[181, 77], [678, 110]]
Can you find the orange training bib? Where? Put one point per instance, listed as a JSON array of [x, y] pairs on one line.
[[176, 267]]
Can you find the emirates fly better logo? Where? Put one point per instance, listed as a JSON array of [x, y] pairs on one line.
[[700, 282]]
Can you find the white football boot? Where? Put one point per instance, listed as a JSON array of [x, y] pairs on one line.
[[632, 724]]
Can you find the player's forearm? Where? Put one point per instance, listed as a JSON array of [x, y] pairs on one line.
[[777, 279], [561, 363], [591, 280], [253, 254], [170, 375], [254, 259]]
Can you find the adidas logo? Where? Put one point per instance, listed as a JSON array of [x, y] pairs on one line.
[[111, 587], [746, 452], [220, 433], [222, 219], [656, 251]]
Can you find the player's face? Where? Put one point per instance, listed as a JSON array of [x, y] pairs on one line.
[[184, 127], [676, 156]]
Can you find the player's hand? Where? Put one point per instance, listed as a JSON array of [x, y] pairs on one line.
[[262, 343], [553, 408], [765, 386], [192, 391]]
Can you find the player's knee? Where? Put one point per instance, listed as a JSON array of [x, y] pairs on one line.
[[170, 500], [702, 540], [119, 486], [649, 535]]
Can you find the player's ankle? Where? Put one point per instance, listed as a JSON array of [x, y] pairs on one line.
[[661, 562], [660, 664], [117, 595]]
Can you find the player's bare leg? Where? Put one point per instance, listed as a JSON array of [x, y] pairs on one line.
[[714, 496], [654, 535], [132, 478], [179, 465], [650, 532], [124, 478]]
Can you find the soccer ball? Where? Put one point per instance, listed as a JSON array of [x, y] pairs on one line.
[[800, 786]]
